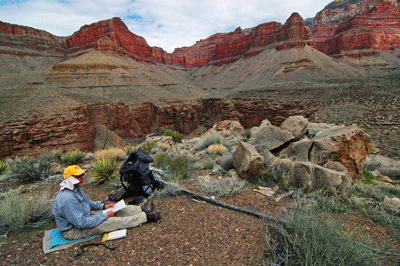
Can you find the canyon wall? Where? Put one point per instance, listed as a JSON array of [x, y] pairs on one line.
[[377, 29], [76, 129]]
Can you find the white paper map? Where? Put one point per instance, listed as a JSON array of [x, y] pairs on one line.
[[118, 206]]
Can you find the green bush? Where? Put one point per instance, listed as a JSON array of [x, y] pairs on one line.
[[30, 168], [225, 187], [104, 170], [73, 157], [21, 212], [178, 167], [176, 136], [56, 154], [312, 237], [3, 167], [148, 146]]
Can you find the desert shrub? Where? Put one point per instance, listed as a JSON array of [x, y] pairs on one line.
[[312, 237], [212, 139], [56, 154], [225, 187], [225, 161], [104, 170], [72, 157], [21, 212], [172, 189], [176, 136], [114, 153], [208, 163], [3, 167], [177, 166], [148, 146], [30, 168], [216, 149]]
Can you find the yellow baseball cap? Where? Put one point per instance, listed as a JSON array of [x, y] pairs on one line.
[[73, 170]]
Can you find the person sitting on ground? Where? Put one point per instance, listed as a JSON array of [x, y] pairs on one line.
[[79, 217]]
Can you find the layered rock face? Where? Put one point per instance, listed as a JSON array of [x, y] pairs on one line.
[[378, 29], [325, 23], [20, 41], [77, 129], [113, 35], [226, 48]]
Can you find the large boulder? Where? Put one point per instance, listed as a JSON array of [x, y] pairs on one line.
[[268, 136], [310, 176], [246, 160], [347, 145], [296, 125]]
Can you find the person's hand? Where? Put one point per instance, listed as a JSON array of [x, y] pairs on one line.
[[111, 214], [109, 206]]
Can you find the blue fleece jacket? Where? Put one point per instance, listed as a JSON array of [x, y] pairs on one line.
[[71, 208]]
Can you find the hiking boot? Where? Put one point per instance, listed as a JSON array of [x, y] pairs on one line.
[[153, 216], [148, 206]]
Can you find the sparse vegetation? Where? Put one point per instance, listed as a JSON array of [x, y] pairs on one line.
[[56, 154], [31, 169], [148, 146], [212, 139], [114, 153], [177, 166], [312, 237], [104, 170], [73, 157], [176, 136], [21, 212], [224, 187], [208, 163]]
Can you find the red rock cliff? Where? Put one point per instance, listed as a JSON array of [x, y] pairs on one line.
[[16, 37], [377, 29]]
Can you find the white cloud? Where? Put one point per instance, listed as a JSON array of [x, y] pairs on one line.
[[164, 23]]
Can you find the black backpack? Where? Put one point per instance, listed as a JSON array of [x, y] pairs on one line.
[[136, 176]]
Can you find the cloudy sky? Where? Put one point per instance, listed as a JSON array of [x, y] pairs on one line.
[[165, 23]]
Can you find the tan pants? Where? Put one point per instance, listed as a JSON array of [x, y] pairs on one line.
[[130, 216]]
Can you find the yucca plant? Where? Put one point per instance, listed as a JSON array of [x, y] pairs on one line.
[[104, 170], [73, 157], [3, 167], [56, 154]]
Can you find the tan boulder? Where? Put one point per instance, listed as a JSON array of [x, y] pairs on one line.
[[246, 160]]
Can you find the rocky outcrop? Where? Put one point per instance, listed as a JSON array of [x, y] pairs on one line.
[[348, 146]]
